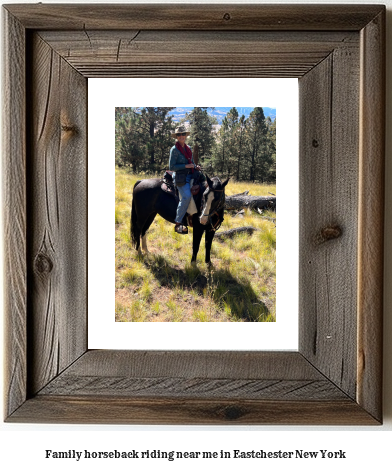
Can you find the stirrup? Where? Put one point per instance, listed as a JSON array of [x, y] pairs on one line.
[[181, 229]]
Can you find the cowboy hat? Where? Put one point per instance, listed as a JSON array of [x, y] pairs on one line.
[[180, 129]]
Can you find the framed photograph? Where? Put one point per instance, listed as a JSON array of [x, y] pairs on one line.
[[250, 273], [337, 53], [207, 245]]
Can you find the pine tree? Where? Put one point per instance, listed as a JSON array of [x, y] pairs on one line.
[[243, 148], [153, 119], [202, 136], [163, 142], [240, 139], [143, 137], [231, 140], [256, 136], [271, 150], [130, 142]]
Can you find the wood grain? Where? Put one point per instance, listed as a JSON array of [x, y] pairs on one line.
[[206, 374], [126, 53], [14, 207], [205, 364], [58, 215], [336, 376], [329, 98], [371, 216], [103, 409], [190, 387], [193, 17]]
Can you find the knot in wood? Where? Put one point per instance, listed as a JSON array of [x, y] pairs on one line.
[[328, 233], [227, 16], [232, 412], [69, 128], [43, 264], [315, 143]]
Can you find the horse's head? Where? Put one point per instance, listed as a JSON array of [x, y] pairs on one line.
[[213, 199]]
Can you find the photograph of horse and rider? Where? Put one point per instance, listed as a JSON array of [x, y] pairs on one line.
[[185, 172]]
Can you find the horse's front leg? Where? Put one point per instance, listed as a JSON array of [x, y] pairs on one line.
[[197, 235], [209, 238]]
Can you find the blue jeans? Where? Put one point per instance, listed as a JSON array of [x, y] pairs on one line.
[[185, 196]]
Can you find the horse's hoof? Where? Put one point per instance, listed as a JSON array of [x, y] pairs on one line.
[[193, 263], [143, 252]]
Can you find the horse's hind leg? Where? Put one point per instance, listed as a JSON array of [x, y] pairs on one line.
[[145, 228], [144, 244]]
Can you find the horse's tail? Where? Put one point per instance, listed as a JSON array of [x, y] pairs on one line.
[[135, 231]]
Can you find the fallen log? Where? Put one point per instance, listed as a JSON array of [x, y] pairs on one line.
[[252, 202], [269, 219], [266, 217], [240, 214], [232, 232]]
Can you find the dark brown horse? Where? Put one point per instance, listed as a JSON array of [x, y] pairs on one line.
[[149, 200]]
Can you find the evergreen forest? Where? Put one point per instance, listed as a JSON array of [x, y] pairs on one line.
[[239, 147]]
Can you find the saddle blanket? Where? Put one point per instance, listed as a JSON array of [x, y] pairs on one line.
[[192, 209]]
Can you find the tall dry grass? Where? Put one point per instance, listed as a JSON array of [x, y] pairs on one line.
[[164, 286]]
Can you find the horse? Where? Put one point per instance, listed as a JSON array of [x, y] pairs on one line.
[[149, 200]]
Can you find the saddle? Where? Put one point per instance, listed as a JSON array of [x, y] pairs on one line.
[[168, 186]]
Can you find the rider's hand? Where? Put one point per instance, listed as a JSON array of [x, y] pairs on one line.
[[190, 165]]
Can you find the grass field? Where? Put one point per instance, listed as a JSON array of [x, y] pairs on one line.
[[164, 286]]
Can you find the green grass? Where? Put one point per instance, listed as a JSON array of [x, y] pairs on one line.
[[164, 286]]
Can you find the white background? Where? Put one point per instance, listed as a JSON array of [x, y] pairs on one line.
[[368, 449], [104, 96]]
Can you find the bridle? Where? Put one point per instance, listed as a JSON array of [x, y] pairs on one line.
[[220, 205]]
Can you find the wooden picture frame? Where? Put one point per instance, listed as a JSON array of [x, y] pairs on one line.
[[338, 54]]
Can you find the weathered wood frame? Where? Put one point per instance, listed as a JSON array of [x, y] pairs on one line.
[[337, 52]]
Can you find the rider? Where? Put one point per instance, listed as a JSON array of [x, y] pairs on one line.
[[180, 160]]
